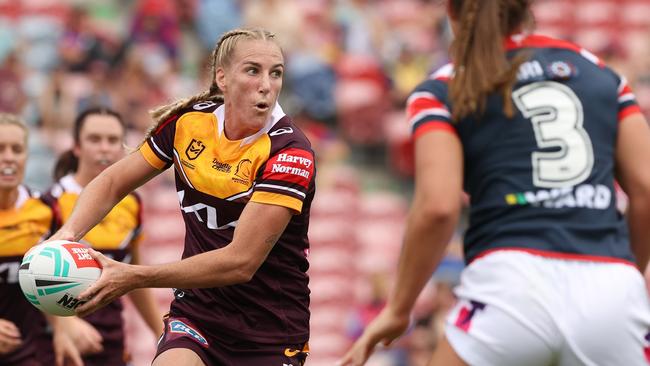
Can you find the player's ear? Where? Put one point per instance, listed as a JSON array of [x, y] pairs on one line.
[[220, 78]]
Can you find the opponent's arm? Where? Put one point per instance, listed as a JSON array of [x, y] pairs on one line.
[[105, 191], [632, 157], [434, 212]]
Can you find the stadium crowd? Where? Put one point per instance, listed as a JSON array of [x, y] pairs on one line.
[[350, 64]]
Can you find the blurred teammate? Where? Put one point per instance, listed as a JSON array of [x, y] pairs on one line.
[[25, 220], [535, 130], [99, 142], [245, 182]]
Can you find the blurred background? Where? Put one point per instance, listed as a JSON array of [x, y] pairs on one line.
[[350, 66]]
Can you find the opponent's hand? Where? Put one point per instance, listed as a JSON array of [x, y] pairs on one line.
[[117, 279], [9, 336], [385, 329], [72, 338]]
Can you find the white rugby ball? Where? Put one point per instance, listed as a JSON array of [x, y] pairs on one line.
[[53, 274]]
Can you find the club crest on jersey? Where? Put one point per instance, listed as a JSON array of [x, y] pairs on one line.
[[243, 172], [177, 326], [561, 70], [194, 149]]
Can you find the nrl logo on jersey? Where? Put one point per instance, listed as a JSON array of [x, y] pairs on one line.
[[194, 149]]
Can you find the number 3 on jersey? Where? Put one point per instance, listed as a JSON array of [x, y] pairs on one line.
[[557, 117]]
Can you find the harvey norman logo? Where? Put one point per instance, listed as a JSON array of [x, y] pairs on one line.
[[287, 158]]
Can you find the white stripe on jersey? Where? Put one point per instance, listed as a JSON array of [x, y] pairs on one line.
[[446, 71], [180, 167], [239, 195], [590, 56], [438, 112], [626, 98], [159, 151], [266, 185]]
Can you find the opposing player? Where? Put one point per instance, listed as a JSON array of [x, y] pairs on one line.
[[99, 142], [245, 182], [25, 220], [535, 129]]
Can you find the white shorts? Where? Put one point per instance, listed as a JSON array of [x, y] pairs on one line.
[[519, 309]]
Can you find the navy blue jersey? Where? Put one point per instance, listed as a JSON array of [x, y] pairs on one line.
[[542, 181]]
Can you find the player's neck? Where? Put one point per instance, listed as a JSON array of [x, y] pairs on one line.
[[83, 178], [8, 198]]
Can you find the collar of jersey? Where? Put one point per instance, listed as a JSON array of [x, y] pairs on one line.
[[69, 184], [276, 115], [23, 195]]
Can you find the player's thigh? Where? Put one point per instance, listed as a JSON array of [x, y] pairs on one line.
[[177, 357], [445, 355]]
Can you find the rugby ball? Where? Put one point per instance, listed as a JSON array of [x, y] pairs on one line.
[[53, 274]]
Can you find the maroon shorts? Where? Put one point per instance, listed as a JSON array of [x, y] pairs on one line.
[[219, 350]]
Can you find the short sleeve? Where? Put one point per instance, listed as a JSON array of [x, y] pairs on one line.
[[427, 110], [158, 149], [627, 104], [285, 179]]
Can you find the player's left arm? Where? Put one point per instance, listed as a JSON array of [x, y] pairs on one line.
[[259, 227]]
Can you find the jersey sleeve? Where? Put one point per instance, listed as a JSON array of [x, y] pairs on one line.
[[285, 179], [627, 104], [427, 110], [158, 149]]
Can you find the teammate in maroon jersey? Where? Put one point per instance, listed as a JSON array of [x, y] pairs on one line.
[[536, 130], [245, 181], [98, 142], [25, 220]]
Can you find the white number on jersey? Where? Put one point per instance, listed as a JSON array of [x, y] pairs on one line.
[[557, 117]]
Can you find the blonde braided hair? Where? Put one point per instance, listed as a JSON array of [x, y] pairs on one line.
[[220, 57]]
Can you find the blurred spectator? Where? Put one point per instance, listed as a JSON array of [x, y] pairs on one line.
[[213, 18], [80, 44], [12, 96], [156, 22]]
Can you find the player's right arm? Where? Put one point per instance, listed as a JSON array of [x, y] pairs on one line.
[[632, 157], [104, 192]]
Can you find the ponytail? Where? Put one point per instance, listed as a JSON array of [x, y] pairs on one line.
[[478, 53], [67, 163]]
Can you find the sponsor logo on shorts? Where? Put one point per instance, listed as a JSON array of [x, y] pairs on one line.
[[177, 326], [467, 313], [291, 352]]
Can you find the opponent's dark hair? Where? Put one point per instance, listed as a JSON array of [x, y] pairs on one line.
[[67, 161], [478, 54]]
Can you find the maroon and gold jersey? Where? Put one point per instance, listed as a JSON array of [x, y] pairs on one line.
[[115, 236], [28, 223], [215, 178]]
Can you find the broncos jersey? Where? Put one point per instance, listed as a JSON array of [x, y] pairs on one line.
[[115, 236], [542, 181], [28, 223], [215, 179]]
